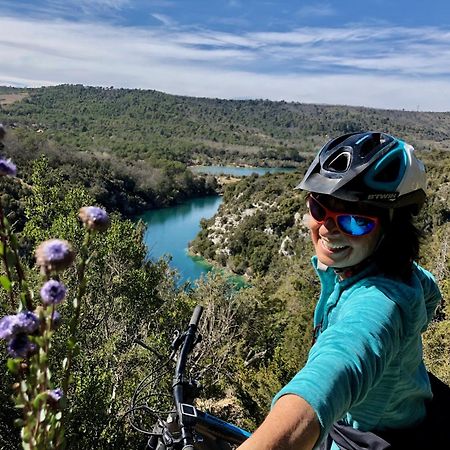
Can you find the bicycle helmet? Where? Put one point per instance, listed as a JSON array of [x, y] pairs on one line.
[[369, 167]]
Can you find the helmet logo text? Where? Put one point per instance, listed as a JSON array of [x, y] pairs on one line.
[[383, 196]]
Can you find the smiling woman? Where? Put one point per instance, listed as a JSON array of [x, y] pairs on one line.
[[364, 385], [340, 239]]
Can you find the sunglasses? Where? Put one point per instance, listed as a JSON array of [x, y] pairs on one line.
[[349, 224]]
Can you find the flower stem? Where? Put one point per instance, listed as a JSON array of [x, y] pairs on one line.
[[4, 242], [77, 309]]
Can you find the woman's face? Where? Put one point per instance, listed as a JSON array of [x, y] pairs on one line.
[[336, 249]]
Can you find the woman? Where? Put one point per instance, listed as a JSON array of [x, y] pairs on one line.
[[364, 380]]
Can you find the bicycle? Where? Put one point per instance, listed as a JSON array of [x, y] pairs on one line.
[[184, 426]]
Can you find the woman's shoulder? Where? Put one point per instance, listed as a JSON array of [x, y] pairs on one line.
[[414, 299]]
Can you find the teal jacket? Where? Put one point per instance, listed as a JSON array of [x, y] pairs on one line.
[[366, 365]]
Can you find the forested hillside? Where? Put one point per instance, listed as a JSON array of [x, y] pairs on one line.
[[131, 148], [128, 150]]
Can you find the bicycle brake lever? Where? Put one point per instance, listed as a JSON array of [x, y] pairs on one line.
[[176, 341], [198, 339]]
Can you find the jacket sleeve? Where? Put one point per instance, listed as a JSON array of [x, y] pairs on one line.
[[431, 292], [350, 356]]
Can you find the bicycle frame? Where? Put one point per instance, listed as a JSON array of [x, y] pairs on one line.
[[188, 428]]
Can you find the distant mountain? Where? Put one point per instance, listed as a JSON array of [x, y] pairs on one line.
[[139, 124]]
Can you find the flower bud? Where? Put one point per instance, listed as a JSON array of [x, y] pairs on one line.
[[94, 218], [53, 292], [54, 254], [20, 346]]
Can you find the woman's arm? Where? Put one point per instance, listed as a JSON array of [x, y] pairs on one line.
[[291, 424]]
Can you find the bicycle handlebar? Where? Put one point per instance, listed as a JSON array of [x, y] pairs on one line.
[[179, 381], [187, 420], [195, 319]]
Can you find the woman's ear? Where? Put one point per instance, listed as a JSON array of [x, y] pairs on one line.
[[306, 220]]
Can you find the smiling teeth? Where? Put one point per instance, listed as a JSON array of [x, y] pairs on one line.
[[333, 246]]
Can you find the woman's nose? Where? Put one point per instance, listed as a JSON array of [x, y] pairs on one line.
[[330, 226]]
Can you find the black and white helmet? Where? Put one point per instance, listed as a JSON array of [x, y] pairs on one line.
[[370, 167]]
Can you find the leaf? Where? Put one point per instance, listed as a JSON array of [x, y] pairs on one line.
[[42, 415], [42, 397], [13, 365], [5, 282], [18, 422], [23, 386], [71, 342]]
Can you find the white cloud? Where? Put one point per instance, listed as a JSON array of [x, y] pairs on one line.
[[390, 68], [165, 20]]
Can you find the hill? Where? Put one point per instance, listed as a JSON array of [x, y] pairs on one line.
[[131, 148], [140, 124]]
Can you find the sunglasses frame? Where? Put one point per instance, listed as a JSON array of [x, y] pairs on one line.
[[334, 215]]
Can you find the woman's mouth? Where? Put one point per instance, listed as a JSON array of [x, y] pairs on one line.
[[333, 247]]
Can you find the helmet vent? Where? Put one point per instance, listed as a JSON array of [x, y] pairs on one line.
[[339, 163], [368, 145], [373, 144], [389, 172]]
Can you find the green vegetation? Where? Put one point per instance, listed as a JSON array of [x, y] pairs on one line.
[[127, 150]]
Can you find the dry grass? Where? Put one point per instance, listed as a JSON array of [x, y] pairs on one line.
[[9, 99]]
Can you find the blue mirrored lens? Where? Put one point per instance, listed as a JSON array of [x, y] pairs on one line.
[[355, 225]]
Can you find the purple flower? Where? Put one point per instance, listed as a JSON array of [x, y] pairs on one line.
[[53, 292], [55, 395], [20, 346], [25, 322], [54, 254], [94, 218], [8, 327], [7, 167]]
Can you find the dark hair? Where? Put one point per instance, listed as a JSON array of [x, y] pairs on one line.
[[400, 244]]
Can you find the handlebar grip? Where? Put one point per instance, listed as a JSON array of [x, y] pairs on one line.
[[195, 319]]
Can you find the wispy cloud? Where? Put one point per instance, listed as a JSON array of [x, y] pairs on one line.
[[165, 20], [388, 68], [65, 9]]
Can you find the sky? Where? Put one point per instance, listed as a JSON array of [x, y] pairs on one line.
[[392, 54]]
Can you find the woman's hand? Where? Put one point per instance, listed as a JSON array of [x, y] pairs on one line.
[[291, 424]]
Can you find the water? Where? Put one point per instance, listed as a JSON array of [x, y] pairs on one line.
[[171, 229], [239, 171]]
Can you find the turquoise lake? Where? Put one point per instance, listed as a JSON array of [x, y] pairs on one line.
[[169, 230]]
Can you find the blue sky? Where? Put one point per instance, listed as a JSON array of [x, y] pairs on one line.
[[380, 53]]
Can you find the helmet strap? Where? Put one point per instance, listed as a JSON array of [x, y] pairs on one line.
[[391, 214]]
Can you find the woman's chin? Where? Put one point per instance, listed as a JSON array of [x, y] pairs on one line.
[[336, 258]]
